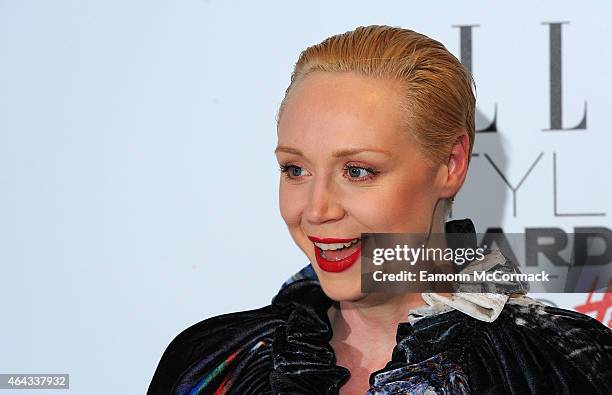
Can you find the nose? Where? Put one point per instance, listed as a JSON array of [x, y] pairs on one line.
[[323, 203]]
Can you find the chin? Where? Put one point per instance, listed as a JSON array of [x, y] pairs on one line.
[[341, 287]]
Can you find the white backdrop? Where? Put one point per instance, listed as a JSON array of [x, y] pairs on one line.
[[138, 181]]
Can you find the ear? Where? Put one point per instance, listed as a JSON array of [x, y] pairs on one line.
[[456, 166]]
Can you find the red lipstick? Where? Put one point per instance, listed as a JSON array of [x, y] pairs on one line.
[[335, 266]]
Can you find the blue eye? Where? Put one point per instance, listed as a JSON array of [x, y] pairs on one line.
[[295, 171], [359, 174], [292, 171]]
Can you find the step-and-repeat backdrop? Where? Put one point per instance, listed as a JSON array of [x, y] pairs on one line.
[[539, 162]]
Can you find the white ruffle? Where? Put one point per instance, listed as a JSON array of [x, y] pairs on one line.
[[482, 306]]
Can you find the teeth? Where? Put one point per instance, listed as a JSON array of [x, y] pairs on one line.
[[335, 246], [326, 258]]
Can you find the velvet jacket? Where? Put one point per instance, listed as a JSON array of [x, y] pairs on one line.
[[283, 348]]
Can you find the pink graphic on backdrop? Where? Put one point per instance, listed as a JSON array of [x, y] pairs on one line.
[[599, 307]]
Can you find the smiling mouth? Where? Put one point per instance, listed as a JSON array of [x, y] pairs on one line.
[[337, 251], [334, 254]]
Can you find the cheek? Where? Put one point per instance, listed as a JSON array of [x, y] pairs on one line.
[[396, 207], [291, 210], [289, 206]]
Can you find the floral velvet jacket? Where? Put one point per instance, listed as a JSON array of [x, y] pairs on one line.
[[283, 348]]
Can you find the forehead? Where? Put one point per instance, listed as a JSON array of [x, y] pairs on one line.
[[328, 107]]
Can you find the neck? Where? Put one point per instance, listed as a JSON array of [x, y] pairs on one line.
[[364, 331], [374, 312]]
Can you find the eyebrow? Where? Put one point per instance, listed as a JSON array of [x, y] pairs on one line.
[[336, 154]]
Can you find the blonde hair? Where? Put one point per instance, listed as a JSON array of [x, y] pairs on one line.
[[437, 89]]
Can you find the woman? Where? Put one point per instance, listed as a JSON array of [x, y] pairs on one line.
[[375, 134]]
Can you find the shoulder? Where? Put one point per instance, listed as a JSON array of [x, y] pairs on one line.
[[556, 348], [201, 354], [581, 338], [572, 338], [529, 348], [214, 352]]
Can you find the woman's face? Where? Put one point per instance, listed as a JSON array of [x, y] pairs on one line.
[[349, 169]]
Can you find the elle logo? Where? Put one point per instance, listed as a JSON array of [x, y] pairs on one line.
[[556, 101]]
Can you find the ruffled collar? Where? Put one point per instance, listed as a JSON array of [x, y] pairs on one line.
[[303, 360], [484, 306]]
